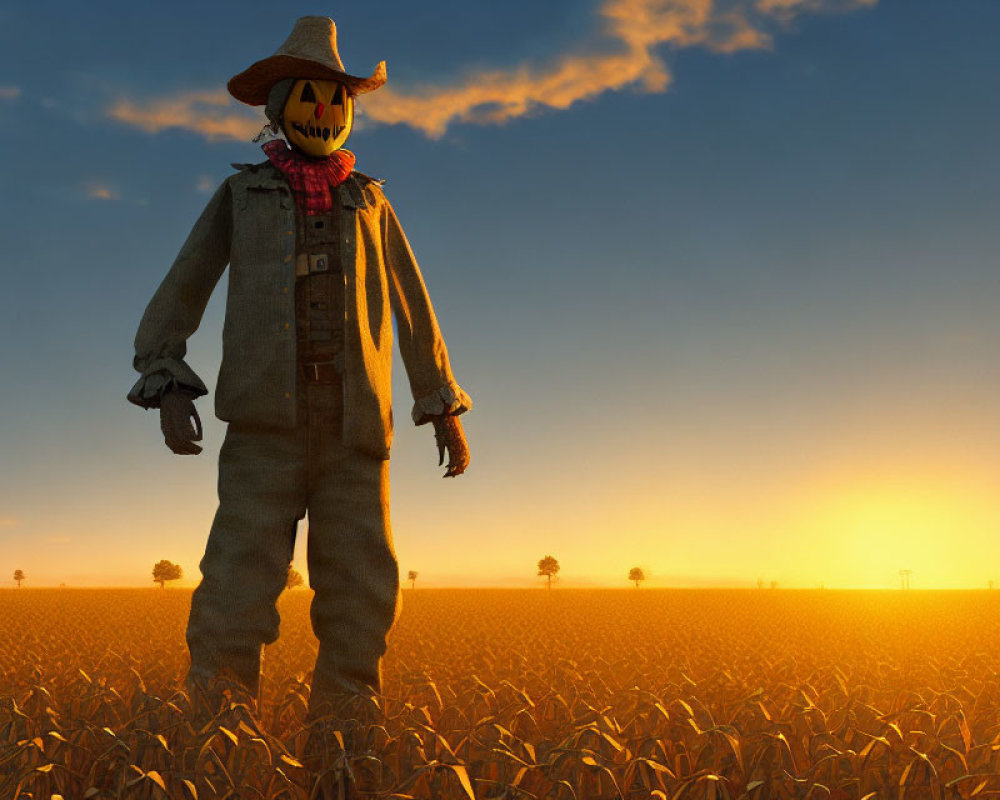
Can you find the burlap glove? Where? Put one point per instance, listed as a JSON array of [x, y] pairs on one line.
[[450, 436], [176, 413]]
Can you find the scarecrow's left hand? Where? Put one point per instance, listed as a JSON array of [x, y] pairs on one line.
[[176, 414], [449, 435]]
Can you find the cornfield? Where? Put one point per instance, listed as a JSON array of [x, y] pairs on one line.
[[559, 694]]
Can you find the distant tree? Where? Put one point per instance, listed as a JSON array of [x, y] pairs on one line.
[[636, 574], [774, 584], [904, 578], [411, 576], [294, 578], [548, 567], [18, 576], [164, 571], [760, 583], [990, 584]]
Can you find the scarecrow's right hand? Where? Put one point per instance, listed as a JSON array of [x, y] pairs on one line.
[[176, 413]]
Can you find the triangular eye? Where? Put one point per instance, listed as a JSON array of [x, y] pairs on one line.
[[307, 95], [338, 96]]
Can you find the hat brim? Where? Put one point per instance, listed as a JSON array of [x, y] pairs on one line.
[[253, 84]]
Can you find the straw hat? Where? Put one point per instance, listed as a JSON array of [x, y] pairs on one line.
[[309, 52]]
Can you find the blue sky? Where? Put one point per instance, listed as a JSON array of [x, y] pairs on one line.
[[729, 313]]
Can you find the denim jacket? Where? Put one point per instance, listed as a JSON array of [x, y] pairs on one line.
[[249, 224]]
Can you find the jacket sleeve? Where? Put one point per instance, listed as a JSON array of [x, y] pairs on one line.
[[176, 309], [421, 345]]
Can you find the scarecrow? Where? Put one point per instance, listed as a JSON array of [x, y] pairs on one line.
[[318, 264]]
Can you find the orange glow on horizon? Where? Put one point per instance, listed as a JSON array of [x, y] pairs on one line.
[[875, 525]]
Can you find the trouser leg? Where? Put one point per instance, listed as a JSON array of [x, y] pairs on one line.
[[352, 568], [261, 498]]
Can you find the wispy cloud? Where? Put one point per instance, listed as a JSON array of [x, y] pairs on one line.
[[59, 539], [10, 92], [9, 522], [622, 53], [205, 183], [786, 9], [213, 114], [100, 191]]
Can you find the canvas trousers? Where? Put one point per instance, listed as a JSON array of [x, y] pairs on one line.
[[269, 479]]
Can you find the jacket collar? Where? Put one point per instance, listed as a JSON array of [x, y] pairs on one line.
[[351, 193], [266, 176]]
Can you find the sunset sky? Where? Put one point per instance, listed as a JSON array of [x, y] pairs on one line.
[[720, 276]]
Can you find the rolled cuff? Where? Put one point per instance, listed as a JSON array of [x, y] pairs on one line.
[[448, 399], [159, 377]]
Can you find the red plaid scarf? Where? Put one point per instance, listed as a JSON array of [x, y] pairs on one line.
[[310, 178]]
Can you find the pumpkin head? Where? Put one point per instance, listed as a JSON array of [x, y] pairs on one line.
[[318, 116]]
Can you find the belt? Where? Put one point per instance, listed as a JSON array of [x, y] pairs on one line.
[[320, 371]]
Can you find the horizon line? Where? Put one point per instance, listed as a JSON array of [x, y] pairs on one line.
[[543, 587]]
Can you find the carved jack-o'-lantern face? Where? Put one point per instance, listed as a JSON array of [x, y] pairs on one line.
[[318, 116]]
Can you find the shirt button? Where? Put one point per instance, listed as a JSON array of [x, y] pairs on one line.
[[286, 326], [284, 290], [289, 233], [287, 259], [288, 395]]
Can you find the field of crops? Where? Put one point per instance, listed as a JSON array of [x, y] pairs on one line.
[[527, 693]]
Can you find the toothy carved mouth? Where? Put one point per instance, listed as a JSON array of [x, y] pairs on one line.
[[317, 133]]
